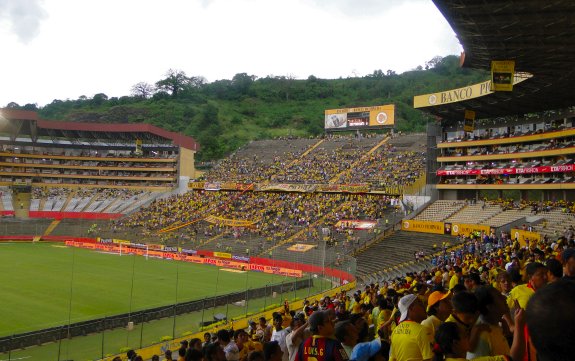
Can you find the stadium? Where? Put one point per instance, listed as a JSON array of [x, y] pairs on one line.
[[115, 241]]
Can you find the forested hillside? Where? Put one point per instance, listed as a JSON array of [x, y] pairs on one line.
[[226, 114]]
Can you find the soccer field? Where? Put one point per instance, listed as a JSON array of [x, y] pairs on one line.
[[49, 284]]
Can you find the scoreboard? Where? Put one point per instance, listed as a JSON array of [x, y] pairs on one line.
[[381, 116]]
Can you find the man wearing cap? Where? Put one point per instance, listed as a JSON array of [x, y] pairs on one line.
[[322, 346], [438, 309], [409, 340]]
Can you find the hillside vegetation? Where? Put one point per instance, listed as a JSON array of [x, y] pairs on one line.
[[225, 114]]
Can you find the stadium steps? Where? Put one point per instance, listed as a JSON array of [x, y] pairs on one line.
[[69, 199], [396, 252], [22, 205], [378, 145], [43, 201], [299, 233], [94, 203], [336, 178], [304, 154], [210, 240], [51, 227], [113, 205]]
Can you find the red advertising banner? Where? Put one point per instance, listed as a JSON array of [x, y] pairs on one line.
[[75, 215], [496, 171], [224, 263]]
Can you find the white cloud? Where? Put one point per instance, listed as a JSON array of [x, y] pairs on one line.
[[88, 47], [23, 17]]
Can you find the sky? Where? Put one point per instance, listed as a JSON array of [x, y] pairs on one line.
[[63, 49]]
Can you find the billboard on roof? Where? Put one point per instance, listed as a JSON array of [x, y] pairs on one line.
[[381, 116]]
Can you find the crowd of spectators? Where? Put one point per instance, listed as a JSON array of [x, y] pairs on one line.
[[388, 166], [50, 192], [536, 207], [341, 159], [512, 148], [488, 297], [276, 216], [491, 128], [505, 179]]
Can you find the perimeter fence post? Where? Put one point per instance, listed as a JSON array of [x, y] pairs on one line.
[[203, 311], [103, 330]]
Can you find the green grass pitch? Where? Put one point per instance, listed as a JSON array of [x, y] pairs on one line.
[[48, 284]]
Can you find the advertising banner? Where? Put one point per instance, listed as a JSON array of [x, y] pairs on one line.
[[222, 255], [502, 73], [469, 121], [412, 225], [346, 188], [466, 229], [287, 187], [224, 263], [461, 94], [196, 185], [354, 118], [212, 186], [357, 224], [229, 222], [498, 171], [524, 236]]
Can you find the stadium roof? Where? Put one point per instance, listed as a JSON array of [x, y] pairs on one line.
[[31, 125], [538, 35]]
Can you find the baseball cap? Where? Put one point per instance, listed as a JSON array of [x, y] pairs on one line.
[[435, 297], [365, 350], [404, 304]]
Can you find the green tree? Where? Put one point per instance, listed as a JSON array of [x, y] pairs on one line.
[[174, 83], [142, 90]]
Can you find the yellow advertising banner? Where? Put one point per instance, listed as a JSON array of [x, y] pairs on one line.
[[347, 188], [467, 229], [229, 222], [524, 236], [196, 185], [469, 121], [461, 94], [138, 150], [382, 115], [502, 73], [412, 225], [375, 116], [223, 255], [287, 187]]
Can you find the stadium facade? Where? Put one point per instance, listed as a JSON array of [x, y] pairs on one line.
[[70, 154]]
